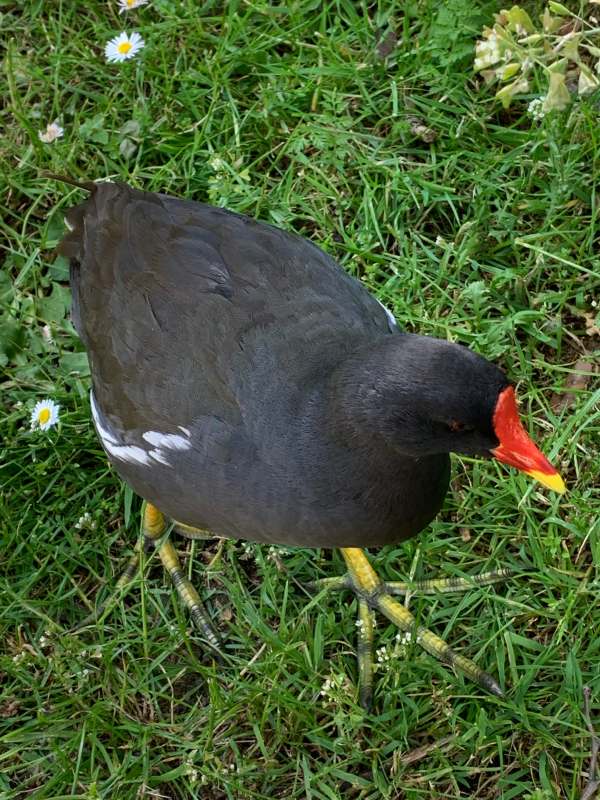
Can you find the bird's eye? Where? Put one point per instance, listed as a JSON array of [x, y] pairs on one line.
[[456, 426]]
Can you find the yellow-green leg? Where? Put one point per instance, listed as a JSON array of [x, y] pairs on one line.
[[429, 586], [446, 585], [154, 526], [364, 650], [190, 532], [375, 594]]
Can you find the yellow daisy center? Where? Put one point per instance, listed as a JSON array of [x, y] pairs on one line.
[[43, 416], [130, 3], [124, 47]]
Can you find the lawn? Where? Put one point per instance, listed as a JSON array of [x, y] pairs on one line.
[[363, 127]]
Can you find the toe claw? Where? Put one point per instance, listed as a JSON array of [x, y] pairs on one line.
[[366, 698], [490, 684]]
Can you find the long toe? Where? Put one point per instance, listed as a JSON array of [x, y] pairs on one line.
[[375, 595]]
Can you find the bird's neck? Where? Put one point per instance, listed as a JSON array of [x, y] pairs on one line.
[[358, 395]]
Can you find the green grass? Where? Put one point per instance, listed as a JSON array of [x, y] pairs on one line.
[[487, 235]]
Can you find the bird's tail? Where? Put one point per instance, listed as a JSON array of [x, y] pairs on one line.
[[71, 245], [89, 186]]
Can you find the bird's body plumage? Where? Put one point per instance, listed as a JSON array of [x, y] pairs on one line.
[[213, 340]]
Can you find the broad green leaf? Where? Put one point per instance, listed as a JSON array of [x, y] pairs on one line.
[[75, 363], [558, 8], [588, 82], [93, 129], [509, 71], [559, 66], [506, 94], [12, 337], [517, 17], [558, 96], [54, 230], [570, 49], [59, 269], [130, 128], [550, 24], [55, 307], [127, 148]]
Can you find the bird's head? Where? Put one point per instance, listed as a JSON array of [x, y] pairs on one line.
[[428, 396]]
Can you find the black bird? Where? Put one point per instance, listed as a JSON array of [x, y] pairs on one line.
[[244, 384]]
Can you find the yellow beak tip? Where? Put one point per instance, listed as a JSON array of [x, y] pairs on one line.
[[553, 481]]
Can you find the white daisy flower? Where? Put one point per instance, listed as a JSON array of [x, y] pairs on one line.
[[123, 46], [127, 5], [44, 415], [53, 131]]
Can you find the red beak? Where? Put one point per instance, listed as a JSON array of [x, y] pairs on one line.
[[516, 448]]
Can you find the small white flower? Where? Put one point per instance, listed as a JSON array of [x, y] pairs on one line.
[[127, 5], [53, 131], [85, 521], [47, 334], [535, 109], [216, 162], [44, 415], [123, 46]]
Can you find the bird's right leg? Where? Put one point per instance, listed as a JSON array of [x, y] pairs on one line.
[[154, 526]]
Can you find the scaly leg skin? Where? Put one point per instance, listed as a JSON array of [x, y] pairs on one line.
[[374, 594], [153, 527], [192, 533]]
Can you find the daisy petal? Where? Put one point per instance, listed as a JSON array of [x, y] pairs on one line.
[[53, 131], [127, 5], [44, 414], [123, 47]]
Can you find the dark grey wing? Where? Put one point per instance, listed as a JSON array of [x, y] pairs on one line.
[[183, 306], [206, 332], [148, 302]]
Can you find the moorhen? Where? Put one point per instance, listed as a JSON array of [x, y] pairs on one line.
[[244, 384]]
